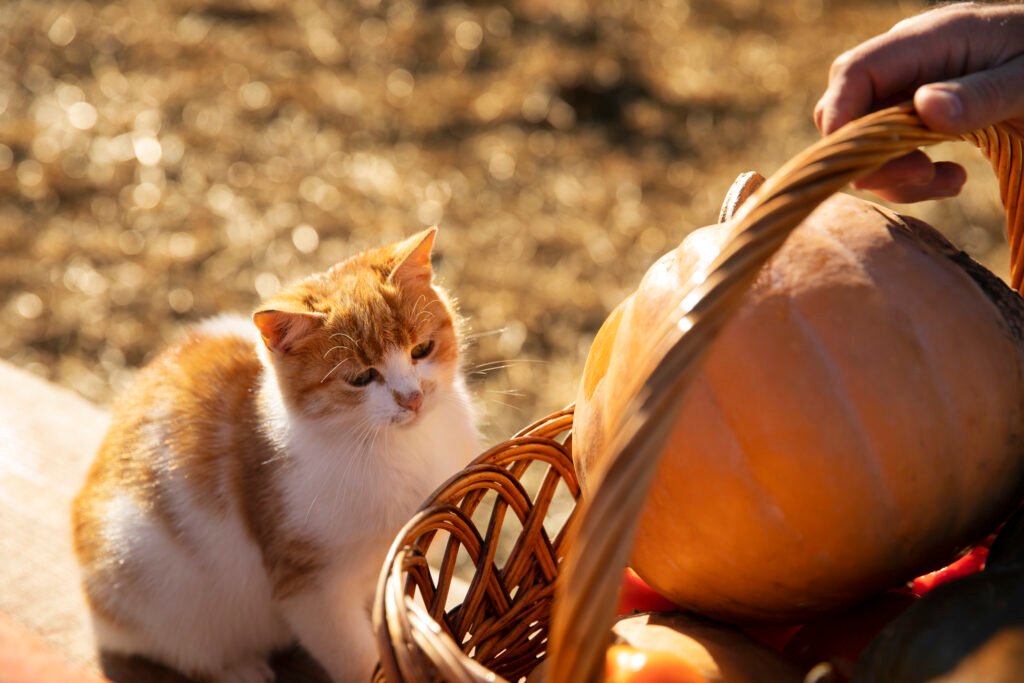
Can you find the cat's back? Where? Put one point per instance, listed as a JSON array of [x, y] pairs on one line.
[[190, 397], [169, 564], [175, 433], [214, 365]]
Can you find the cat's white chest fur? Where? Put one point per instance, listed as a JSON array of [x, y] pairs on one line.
[[350, 491], [348, 485]]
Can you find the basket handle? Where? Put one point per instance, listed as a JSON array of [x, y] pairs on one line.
[[603, 534]]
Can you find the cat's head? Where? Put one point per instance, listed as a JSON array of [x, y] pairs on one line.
[[372, 341]]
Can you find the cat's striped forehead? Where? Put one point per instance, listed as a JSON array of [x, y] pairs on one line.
[[375, 319], [366, 313]]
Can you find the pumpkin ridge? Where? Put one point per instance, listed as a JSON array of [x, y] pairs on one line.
[[851, 257], [921, 238], [795, 539], [779, 520], [941, 391], [750, 479], [838, 388]]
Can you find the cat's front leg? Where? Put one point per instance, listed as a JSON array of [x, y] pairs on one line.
[[331, 620]]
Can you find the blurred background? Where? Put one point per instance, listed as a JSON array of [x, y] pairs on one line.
[[164, 161]]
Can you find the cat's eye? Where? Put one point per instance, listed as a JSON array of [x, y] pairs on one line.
[[364, 377], [422, 350]]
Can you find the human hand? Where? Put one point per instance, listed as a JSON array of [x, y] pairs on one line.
[[962, 64]]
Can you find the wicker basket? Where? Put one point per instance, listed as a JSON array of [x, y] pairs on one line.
[[553, 596]]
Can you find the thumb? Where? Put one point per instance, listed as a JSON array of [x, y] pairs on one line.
[[974, 101]]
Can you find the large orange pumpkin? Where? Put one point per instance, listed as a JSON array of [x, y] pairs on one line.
[[855, 424]]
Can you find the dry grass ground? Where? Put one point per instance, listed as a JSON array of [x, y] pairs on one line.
[[165, 161]]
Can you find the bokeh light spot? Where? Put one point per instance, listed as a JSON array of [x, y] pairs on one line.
[[255, 95], [502, 166], [305, 238], [82, 115], [180, 300], [267, 285], [469, 35], [28, 305], [147, 150], [182, 245], [146, 195], [400, 83], [62, 31], [30, 173]]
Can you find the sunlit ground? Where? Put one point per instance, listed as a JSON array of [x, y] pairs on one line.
[[165, 161]]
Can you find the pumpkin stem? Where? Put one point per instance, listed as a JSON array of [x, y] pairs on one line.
[[741, 188]]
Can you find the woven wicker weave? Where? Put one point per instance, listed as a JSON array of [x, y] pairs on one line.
[[554, 596]]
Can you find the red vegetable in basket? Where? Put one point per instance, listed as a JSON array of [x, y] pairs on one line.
[[636, 596], [857, 423], [971, 563]]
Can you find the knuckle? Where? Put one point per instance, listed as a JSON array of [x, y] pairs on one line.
[[843, 64], [904, 24]]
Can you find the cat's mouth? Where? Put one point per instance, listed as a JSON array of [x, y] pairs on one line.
[[406, 418]]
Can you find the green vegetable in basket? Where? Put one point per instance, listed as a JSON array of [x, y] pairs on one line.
[[971, 629]]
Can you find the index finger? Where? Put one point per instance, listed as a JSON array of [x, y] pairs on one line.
[[888, 68]]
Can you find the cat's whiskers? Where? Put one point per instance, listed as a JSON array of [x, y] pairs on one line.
[[305, 520], [470, 339], [457, 399], [418, 312], [506, 392], [360, 455], [489, 333], [339, 347], [347, 465], [494, 365], [516, 408], [364, 454], [336, 366]]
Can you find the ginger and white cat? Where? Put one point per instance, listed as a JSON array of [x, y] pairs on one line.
[[254, 475]]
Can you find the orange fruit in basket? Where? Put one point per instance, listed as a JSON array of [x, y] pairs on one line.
[[680, 648], [857, 423], [625, 664]]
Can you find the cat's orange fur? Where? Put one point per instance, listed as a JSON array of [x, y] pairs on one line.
[[265, 451]]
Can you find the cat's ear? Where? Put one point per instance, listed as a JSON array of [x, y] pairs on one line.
[[414, 258], [282, 330]]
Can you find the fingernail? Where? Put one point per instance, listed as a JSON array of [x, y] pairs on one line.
[[946, 104]]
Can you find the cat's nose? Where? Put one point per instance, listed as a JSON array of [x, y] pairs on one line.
[[410, 401]]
